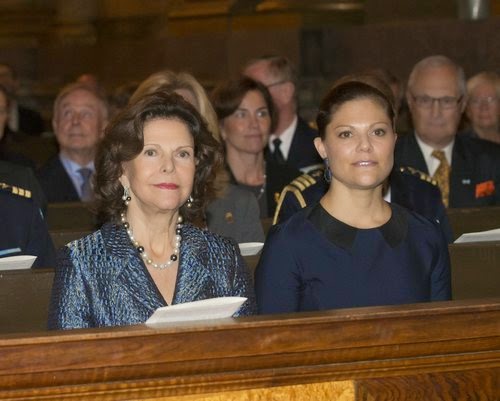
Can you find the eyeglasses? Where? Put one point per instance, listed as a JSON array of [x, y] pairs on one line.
[[445, 102], [479, 101]]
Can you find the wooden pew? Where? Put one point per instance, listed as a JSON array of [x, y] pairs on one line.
[[442, 351], [62, 237], [475, 270], [24, 299], [76, 216], [473, 219], [24, 295], [266, 224]]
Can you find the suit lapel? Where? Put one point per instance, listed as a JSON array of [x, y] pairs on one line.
[[194, 281], [399, 192], [461, 180], [131, 275], [415, 155], [293, 154], [63, 184]]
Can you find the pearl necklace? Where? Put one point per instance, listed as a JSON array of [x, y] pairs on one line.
[[142, 251]]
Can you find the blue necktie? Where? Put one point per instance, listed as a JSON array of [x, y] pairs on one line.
[[86, 193]]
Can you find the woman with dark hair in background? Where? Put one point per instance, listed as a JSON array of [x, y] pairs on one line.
[[246, 118]]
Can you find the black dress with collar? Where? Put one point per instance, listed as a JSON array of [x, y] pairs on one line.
[[315, 262]]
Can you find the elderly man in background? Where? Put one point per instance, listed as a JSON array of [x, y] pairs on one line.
[[292, 142], [467, 170], [80, 116]]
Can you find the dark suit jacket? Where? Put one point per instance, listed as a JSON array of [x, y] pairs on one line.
[[475, 169], [278, 176], [101, 279], [23, 177], [30, 121], [56, 183], [23, 227], [302, 151]]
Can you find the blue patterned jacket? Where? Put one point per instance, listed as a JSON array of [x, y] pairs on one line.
[[101, 279]]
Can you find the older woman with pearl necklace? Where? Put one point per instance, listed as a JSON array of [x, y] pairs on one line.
[[154, 175]]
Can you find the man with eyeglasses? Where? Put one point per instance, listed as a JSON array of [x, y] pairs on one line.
[[293, 140], [467, 170]]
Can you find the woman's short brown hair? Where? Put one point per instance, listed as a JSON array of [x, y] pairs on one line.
[[228, 96], [124, 140]]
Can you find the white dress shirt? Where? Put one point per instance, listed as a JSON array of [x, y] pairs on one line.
[[286, 138]]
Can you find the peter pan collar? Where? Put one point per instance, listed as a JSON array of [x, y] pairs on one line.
[[343, 235]]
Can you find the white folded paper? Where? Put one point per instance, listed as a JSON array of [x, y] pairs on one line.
[[213, 308], [17, 262], [482, 236], [250, 248]]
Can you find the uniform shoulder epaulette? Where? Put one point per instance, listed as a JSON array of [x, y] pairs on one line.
[[303, 181], [26, 193], [419, 174], [296, 187]]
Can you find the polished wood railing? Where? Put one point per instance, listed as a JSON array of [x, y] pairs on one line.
[[440, 351]]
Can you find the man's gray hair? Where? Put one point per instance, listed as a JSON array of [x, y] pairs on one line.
[[279, 66], [74, 86], [438, 61]]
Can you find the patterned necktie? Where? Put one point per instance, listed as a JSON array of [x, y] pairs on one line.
[[86, 188], [277, 154], [442, 175]]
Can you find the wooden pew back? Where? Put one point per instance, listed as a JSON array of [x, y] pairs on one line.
[[442, 351], [76, 216], [468, 220], [24, 299], [62, 237], [24, 294], [475, 270]]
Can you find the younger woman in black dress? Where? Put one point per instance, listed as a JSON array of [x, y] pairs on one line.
[[353, 248]]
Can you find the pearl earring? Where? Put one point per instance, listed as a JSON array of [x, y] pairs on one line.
[[126, 195]]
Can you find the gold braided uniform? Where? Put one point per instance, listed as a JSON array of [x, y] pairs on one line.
[[296, 187], [26, 193], [420, 174]]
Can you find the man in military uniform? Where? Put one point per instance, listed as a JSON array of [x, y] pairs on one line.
[[24, 231], [23, 177], [407, 187]]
